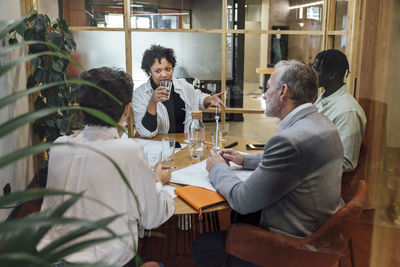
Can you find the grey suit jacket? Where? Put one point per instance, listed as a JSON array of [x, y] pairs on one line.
[[296, 182]]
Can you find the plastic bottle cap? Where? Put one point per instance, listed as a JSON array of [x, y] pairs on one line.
[[197, 115]]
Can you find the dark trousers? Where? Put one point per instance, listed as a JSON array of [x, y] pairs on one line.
[[209, 248]]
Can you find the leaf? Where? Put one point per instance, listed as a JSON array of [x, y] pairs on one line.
[[54, 77], [13, 124], [40, 75], [7, 49], [39, 222], [62, 24], [30, 83], [38, 22], [85, 229], [36, 62], [52, 134], [58, 64], [39, 103], [55, 38], [80, 246], [9, 65], [6, 27], [12, 41], [31, 194], [21, 28], [50, 123], [14, 97], [21, 259]]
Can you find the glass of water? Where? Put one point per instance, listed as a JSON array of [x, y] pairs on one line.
[[153, 158], [168, 148], [168, 85], [223, 129]]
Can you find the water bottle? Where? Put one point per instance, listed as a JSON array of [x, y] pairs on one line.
[[196, 136]]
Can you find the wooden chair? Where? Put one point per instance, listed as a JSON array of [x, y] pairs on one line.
[[325, 247], [350, 179]]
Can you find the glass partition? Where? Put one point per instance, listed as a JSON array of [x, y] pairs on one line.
[[341, 15], [304, 47], [296, 15], [195, 14], [98, 48], [339, 42], [198, 54], [94, 13], [246, 14]]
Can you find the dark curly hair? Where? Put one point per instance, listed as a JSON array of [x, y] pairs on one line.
[[117, 82], [333, 60], [159, 52]]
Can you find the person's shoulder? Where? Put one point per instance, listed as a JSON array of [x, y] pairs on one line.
[[182, 83], [345, 102], [123, 144], [141, 88]]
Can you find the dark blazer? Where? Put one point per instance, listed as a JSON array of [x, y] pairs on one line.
[[296, 181]]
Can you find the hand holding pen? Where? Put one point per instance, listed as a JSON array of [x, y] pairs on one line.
[[213, 159]]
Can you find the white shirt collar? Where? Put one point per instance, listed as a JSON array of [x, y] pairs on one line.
[[93, 133], [292, 113]]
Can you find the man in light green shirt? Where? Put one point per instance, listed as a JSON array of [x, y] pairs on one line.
[[338, 105]]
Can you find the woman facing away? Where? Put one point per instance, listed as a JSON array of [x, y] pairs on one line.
[[77, 169], [162, 109]]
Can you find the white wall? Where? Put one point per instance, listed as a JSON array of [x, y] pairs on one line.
[[20, 173], [49, 7]]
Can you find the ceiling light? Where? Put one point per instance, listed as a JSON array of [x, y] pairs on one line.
[[307, 5]]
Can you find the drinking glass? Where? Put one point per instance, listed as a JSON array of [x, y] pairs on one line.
[[223, 129], [153, 158], [168, 148], [168, 85]]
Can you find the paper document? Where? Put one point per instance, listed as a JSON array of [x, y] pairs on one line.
[[197, 175], [170, 189], [154, 146]]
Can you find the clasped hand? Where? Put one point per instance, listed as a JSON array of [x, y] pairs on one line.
[[225, 156]]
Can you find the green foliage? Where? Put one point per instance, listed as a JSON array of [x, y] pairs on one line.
[[19, 239], [50, 66]]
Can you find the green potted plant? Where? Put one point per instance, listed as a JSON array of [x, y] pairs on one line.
[[19, 238], [50, 69]]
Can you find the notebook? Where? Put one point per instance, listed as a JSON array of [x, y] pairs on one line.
[[200, 198]]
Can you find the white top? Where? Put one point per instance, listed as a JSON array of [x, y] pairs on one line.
[[77, 169], [349, 118], [141, 96]]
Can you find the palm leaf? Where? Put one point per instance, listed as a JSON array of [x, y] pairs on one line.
[[79, 246], [15, 123], [5, 28], [7, 49], [101, 224], [31, 194], [9, 65], [23, 258], [13, 97]]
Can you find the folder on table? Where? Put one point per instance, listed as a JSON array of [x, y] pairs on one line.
[[200, 198]]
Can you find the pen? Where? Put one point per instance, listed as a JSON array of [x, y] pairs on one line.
[[231, 145], [169, 168]]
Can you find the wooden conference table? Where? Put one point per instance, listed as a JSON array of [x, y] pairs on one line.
[[182, 229], [182, 160]]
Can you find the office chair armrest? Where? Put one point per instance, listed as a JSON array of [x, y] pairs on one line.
[[262, 247]]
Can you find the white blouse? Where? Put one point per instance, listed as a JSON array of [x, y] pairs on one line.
[[77, 169], [141, 96]]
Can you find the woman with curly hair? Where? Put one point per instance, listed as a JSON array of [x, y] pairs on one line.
[[159, 109]]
